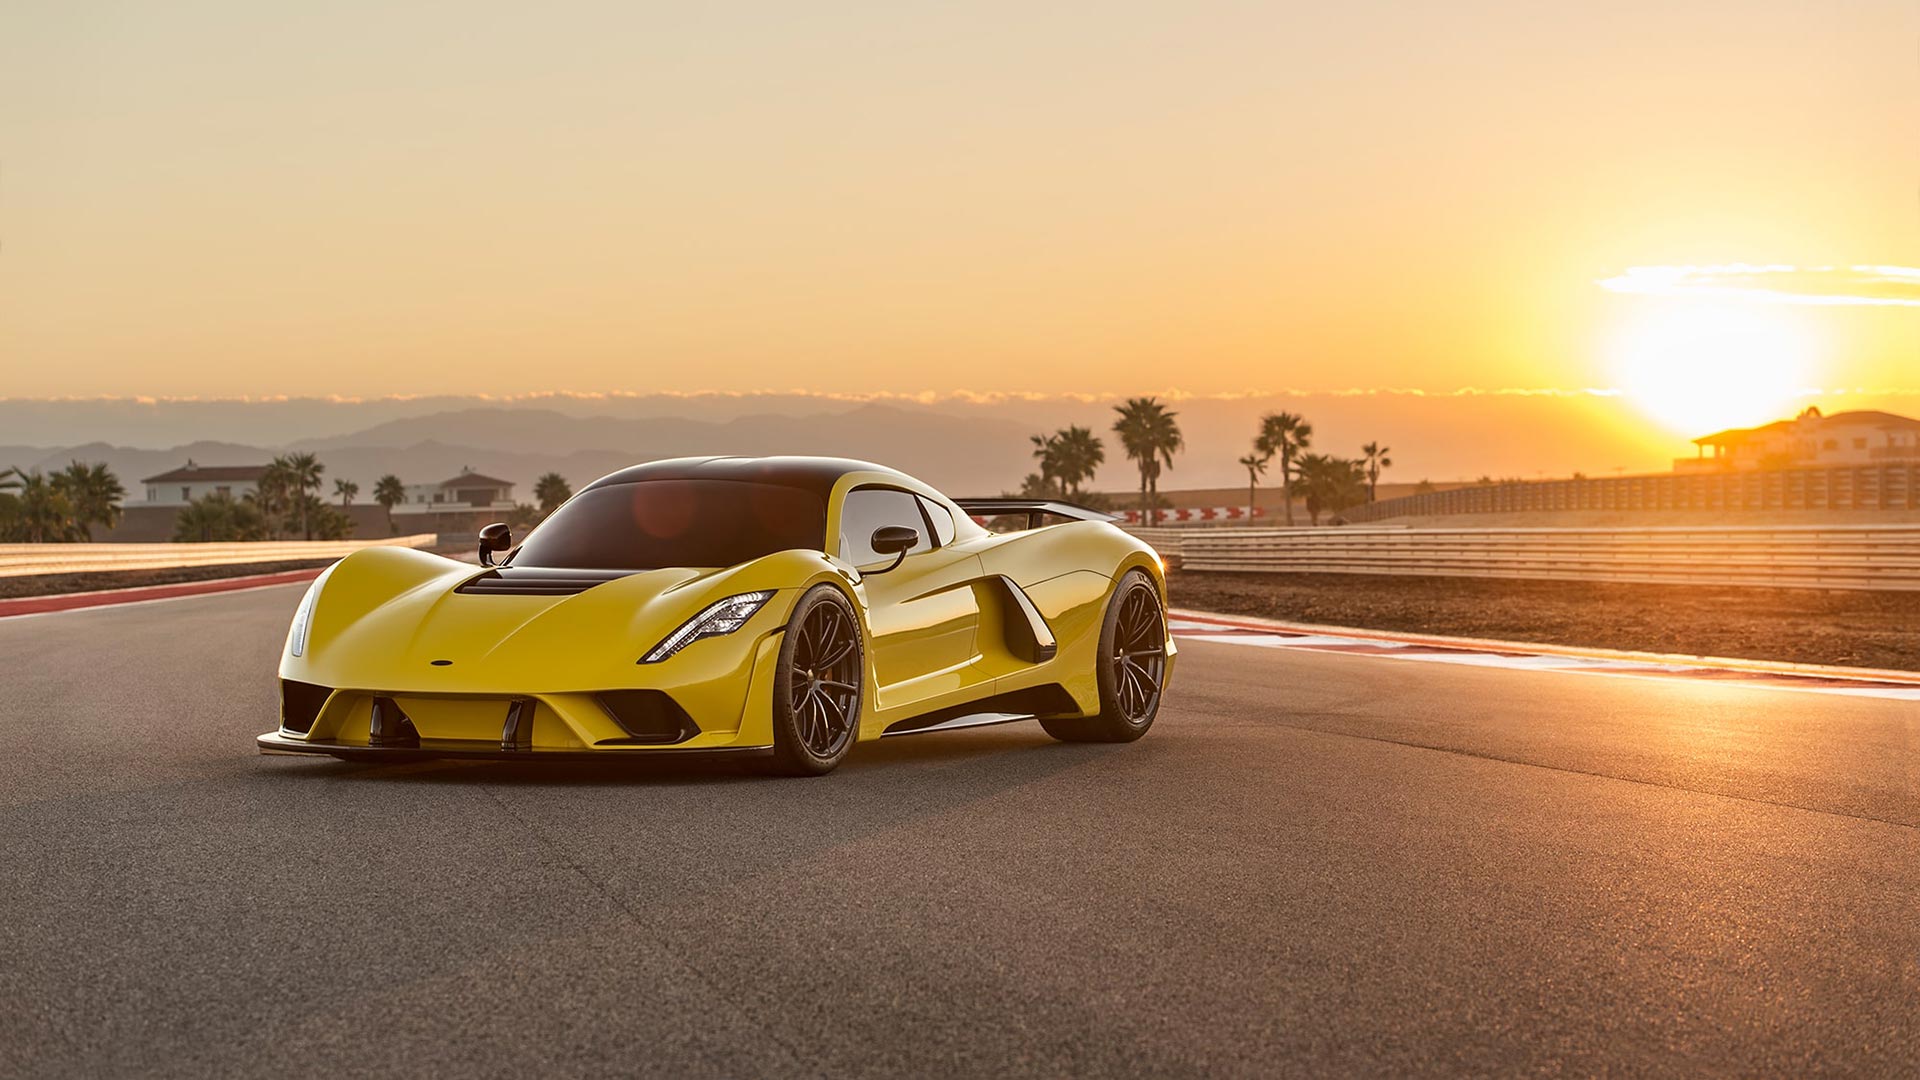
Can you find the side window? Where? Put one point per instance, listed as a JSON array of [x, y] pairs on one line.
[[942, 521], [867, 509]]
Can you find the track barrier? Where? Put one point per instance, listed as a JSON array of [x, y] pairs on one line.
[[1806, 556], [20, 560]]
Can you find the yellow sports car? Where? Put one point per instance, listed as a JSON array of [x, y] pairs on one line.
[[784, 607]]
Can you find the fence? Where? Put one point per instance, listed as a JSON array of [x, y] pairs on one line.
[[1822, 557], [19, 560], [1864, 487]]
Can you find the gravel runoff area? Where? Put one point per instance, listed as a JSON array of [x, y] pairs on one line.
[[1850, 628], [56, 584]]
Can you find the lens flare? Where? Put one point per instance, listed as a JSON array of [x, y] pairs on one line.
[[1699, 369]]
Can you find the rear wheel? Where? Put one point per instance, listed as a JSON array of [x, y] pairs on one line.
[[1132, 667], [817, 685]]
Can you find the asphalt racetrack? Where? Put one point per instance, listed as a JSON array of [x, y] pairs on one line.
[[1316, 864]]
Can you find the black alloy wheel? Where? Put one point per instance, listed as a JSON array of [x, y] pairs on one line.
[[1132, 667], [1139, 653], [817, 685]]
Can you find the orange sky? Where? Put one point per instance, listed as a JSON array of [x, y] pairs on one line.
[[225, 198]]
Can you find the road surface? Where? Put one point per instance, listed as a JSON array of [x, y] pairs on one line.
[[1316, 864]]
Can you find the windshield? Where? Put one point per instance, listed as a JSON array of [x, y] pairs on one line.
[[659, 523]]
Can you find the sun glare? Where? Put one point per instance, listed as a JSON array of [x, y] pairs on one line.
[[1698, 369]]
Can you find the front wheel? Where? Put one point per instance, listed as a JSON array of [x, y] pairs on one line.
[[1132, 668], [817, 685]]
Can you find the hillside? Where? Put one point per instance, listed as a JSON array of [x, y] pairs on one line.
[[960, 454]]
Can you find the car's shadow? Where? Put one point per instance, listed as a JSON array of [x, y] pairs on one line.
[[1019, 748]]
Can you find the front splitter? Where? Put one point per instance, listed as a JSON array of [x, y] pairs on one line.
[[274, 742]]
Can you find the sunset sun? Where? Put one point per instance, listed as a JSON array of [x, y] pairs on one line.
[[1699, 369]]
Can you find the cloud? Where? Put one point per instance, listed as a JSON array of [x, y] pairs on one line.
[[1873, 286]]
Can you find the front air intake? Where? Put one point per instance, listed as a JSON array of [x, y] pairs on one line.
[[538, 581], [300, 704], [647, 716]]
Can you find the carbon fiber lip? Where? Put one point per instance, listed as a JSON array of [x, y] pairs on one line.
[[274, 742]]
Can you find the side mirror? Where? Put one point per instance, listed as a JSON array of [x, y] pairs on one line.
[[494, 537], [895, 540]]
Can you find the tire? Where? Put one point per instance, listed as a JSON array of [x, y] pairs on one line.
[[818, 685], [1132, 669]]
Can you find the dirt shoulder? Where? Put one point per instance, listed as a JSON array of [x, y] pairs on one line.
[[1856, 629], [56, 584]]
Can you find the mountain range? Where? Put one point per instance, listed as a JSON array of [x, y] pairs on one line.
[[968, 444], [518, 444]]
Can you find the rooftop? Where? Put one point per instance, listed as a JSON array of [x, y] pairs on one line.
[[190, 473], [1812, 417], [469, 478]]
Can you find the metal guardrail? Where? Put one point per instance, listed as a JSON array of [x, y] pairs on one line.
[[1894, 486], [20, 560], [1810, 556], [1167, 542]]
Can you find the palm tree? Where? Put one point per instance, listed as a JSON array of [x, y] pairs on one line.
[[1068, 458], [1079, 453], [1285, 434], [42, 514], [326, 522], [272, 497], [1256, 465], [1046, 451], [346, 489], [389, 492], [302, 473], [219, 519], [9, 505], [1330, 484], [1150, 436], [94, 494], [552, 490], [1376, 459], [207, 520]]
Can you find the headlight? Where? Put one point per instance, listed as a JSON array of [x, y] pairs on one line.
[[722, 618], [303, 616]]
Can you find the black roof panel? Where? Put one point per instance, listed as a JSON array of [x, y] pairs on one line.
[[816, 474]]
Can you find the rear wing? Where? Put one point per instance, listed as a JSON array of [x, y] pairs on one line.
[[1036, 511]]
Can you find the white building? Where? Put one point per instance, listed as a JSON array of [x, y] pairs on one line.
[[468, 491], [190, 481], [1862, 437]]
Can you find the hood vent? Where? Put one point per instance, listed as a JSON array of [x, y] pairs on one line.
[[539, 581]]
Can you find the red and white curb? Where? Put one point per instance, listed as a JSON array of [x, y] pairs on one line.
[[146, 594], [1196, 626], [1194, 513]]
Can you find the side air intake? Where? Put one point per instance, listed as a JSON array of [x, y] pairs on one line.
[[300, 704]]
